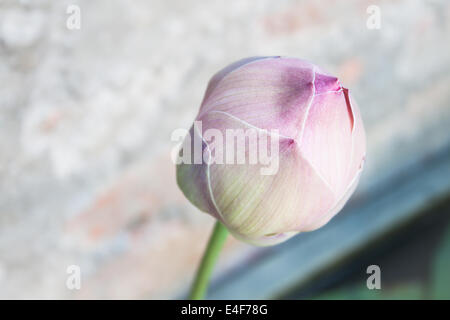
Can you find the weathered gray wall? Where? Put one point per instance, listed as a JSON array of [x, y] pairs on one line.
[[86, 117]]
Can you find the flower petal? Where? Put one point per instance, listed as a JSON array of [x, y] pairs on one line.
[[259, 207], [358, 140], [271, 93], [320, 220], [215, 80], [192, 177], [327, 139]]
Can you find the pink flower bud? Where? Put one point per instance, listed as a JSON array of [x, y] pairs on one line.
[[290, 112]]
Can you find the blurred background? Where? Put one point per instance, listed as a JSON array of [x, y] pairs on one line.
[[90, 92]]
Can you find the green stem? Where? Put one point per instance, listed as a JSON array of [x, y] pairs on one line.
[[215, 244]]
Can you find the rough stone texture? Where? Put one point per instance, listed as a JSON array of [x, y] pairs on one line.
[[86, 118]]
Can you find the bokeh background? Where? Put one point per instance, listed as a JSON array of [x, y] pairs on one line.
[[86, 117]]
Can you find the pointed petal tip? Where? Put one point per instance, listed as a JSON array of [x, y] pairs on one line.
[[324, 83]]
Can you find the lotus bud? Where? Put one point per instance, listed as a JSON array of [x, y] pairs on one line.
[[277, 148]]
